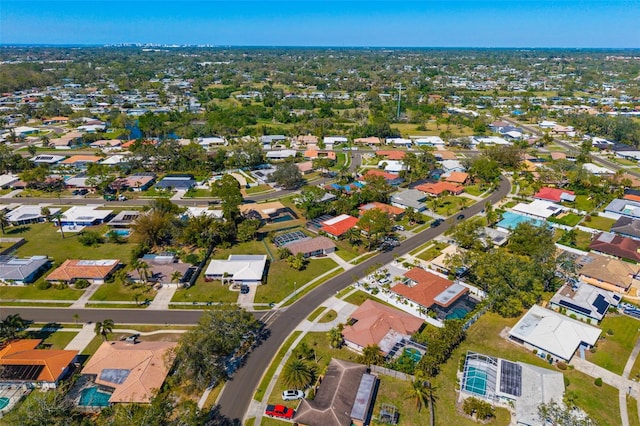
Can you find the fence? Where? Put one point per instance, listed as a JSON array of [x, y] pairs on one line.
[[391, 373]]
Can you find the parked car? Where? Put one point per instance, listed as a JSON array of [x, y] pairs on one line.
[[436, 223], [244, 289], [460, 216], [279, 411], [292, 395]]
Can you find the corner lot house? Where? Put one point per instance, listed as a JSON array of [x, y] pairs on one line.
[[22, 364], [584, 302], [94, 271], [130, 372], [552, 333], [376, 324], [427, 289], [84, 216], [345, 397], [238, 268], [24, 215], [16, 271]]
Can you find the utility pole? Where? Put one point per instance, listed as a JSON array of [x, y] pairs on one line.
[[399, 97]]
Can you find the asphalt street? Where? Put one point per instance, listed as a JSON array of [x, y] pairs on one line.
[[238, 392]]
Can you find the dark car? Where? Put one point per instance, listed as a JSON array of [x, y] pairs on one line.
[[460, 216], [244, 289], [436, 223]]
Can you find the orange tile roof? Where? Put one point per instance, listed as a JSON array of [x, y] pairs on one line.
[[24, 352], [631, 197], [81, 158], [445, 155], [314, 153], [439, 187], [339, 227], [146, 364], [387, 208], [376, 172], [427, 287], [457, 177], [371, 140], [391, 155], [73, 269], [375, 320]]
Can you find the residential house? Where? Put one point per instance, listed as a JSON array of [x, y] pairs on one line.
[[435, 141], [608, 273], [617, 246], [338, 226], [331, 141], [238, 268], [21, 271], [22, 364], [307, 140], [94, 271], [428, 290], [551, 333], [161, 270], [627, 227], [177, 182], [28, 214], [628, 208], [124, 218], [345, 397], [539, 209], [305, 167], [461, 178], [208, 142], [393, 211], [66, 141], [7, 180], [597, 170], [106, 144], [376, 324], [409, 198], [312, 154], [135, 182], [451, 166], [81, 161], [282, 154], [441, 155], [392, 166], [116, 160], [555, 195], [399, 142], [84, 216], [267, 212], [268, 140], [47, 159], [391, 155], [131, 372], [370, 141], [584, 302], [488, 140], [310, 247], [440, 188], [392, 179]]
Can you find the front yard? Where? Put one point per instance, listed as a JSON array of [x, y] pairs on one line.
[[450, 204], [613, 350], [116, 291], [31, 292]]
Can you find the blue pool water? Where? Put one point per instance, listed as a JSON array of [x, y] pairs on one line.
[[92, 397], [476, 381], [511, 220], [413, 353], [121, 232], [3, 402], [284, 218], [457, 313]]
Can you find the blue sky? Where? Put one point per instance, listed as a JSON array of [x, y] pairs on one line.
[[425, 23]]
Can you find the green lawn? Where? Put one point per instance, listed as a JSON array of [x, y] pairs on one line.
[[198, 193], [432, 252], [258, 189], [43, 239], [584, 203], [583, 239], [568, 219], [116, 292], [632, 410], [598, 222], [614, 350], [509, 204], [281, 278], [31, 292], [262, 387], [250, 247], [359, 297], [476, 189], [316, 313], [203, 291], [450, 204], [329, 316], [57, 340]]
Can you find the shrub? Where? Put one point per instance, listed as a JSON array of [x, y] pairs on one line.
[[90, 238], [81, 283], [114, 237], [561, 365], [43, 285], [567, 382], [610, 332], [598, 381]]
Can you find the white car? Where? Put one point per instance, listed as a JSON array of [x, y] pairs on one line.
[[291, 395]]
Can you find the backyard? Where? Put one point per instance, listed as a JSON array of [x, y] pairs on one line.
[[568, 219], [598, 222], [614, 349], [202, 291]]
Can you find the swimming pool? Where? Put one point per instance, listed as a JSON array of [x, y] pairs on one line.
[[512, 220], [413, 353], [4, 402], [283, 218], [92, 397], [457, 313], [476, 381], [120, 232]]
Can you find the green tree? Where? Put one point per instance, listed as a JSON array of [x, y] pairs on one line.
[[335, 337], [11, 326], [297, 262], [247, 230], [298, 374], [228, 190], [103, 328], [4, 222], [372, 354], [287, 175], [375, 223], [153, 228]]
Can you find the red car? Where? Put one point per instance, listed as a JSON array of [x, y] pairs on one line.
[[279, 411]]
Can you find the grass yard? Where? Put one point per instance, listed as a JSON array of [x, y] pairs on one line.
[[601, 403], [250, 247], [613, 350], [584, 203], [568, 219], [43, 239], [598, 222], [582, 241], [450, 204], [281, 279], [57, 340], [476, 189], [359, 297], [258, 189], [315, 314], [116, 291], [329, 316], [433, 252], [197, 193], [262, 388], [632, 410], [203, 291], [31, 292]]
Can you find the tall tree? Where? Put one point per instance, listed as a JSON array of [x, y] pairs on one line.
[[298, 374], [228, 190], [375, 223], [103, 328], [287, 175], [4, 222]]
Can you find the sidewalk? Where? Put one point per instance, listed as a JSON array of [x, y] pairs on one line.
[[340, 261], [82, 339], [79, 304]]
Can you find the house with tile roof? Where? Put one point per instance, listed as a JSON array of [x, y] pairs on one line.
[[555, 195], [608, 273], [392, 179], [440, 188], [376, 324], [310, 247], [627, 227], [20, 271], [238, 268], [460, 178], [371, 140], [21, 363], [338, 226], [617, 246], [393, 211], [409, 198], [80, 161], [428, 290], [391, 155], [130, 372], [94, 271]]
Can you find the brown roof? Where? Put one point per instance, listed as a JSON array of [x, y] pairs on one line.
[[558, 156], [440, 187], [387, 208], [615, 245], [146, 362], [305, 166], [607, 270], [392, 155], [444, 155], [375, 320], [265, 210], [73, 269], [81, 158], [457, 177], [310, 245], [334, 400], [371, 140], [427, 286], [23, 352]]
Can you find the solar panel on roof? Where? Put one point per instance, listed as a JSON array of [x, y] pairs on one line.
[[601, 304], [510, 378], [575, 307], [20, 372]]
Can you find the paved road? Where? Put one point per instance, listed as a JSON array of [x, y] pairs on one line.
[[238, 392]]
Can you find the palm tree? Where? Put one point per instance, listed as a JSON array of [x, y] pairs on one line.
[[58, 218], [11, 325], [335, 337], [104, 328], [4, 222], [176, 276], [46, 212], [372, 355], [298, 374]]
